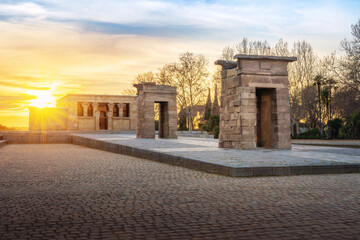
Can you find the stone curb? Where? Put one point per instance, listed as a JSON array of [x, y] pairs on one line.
[[211, 167], [36, 138], [329, 145]]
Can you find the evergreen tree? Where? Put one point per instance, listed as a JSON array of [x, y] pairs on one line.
[[182, 119], [215, 106], [208, 107]]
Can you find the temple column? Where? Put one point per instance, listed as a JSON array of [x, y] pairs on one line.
[[109, 115], [120, 107], [85, 106], [97, 115]]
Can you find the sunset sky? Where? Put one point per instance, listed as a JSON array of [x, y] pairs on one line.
[[93, 46]]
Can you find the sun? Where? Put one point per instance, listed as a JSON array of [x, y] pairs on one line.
[[44, 98]]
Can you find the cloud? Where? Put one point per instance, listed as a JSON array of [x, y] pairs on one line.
[[25, 8], [17, 97], [18, 82], [215, 20], [15, 102]]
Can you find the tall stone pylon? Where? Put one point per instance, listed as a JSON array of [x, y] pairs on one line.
[[255, 107]]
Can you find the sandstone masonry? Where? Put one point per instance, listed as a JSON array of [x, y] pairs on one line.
[[255, 108], [148, 94]]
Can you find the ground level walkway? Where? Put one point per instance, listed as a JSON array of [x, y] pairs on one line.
[[65, 191]]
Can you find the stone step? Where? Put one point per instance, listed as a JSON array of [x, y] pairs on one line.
[[196, 134]]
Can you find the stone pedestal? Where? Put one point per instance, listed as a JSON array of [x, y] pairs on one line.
[[255, 108], [147, 95]]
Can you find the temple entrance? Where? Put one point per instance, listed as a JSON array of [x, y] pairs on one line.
[[163, 120], [255, 109], [103, 120], [156, 104], [264, 109]]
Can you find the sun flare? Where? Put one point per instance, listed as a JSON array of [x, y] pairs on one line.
[[44, 98]]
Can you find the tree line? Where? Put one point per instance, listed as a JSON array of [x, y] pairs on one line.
[[324, 90]]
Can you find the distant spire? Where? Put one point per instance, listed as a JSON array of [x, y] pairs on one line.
[[208, 107], [215, 106]]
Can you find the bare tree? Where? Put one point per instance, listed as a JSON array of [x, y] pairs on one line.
[[143, 77], [228, 53], [328, 67], [346, 102], [253, 47], [243, 47], [351, 64], [301, 75], [318, 82], [281, 48], [165, 76], [190, 74]]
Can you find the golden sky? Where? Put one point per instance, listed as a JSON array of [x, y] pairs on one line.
[[66, 60], [98, 47]]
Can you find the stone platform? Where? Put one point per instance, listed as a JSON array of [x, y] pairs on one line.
[[204, 155]]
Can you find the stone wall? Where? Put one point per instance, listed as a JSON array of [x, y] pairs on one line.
[[255, 108], [92, 122], [18, 137]]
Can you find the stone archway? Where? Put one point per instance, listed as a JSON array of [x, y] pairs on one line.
[[148, 94]]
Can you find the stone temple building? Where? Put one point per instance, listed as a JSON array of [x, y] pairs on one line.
[[86, 112]]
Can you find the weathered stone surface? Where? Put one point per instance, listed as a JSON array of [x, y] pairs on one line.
[[264, 57], [226, 64], [255, 109], [95, 110], [148, 93]]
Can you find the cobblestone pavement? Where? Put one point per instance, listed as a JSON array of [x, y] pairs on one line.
[[66, 191]]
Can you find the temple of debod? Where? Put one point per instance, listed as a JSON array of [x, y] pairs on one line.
[[254, 111], [254, 135]]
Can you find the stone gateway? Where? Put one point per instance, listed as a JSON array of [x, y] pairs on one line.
[[148, 93], [255, 108]]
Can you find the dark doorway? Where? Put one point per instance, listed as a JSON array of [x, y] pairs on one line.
[[103, 121], [264, 105], [163, 120]]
